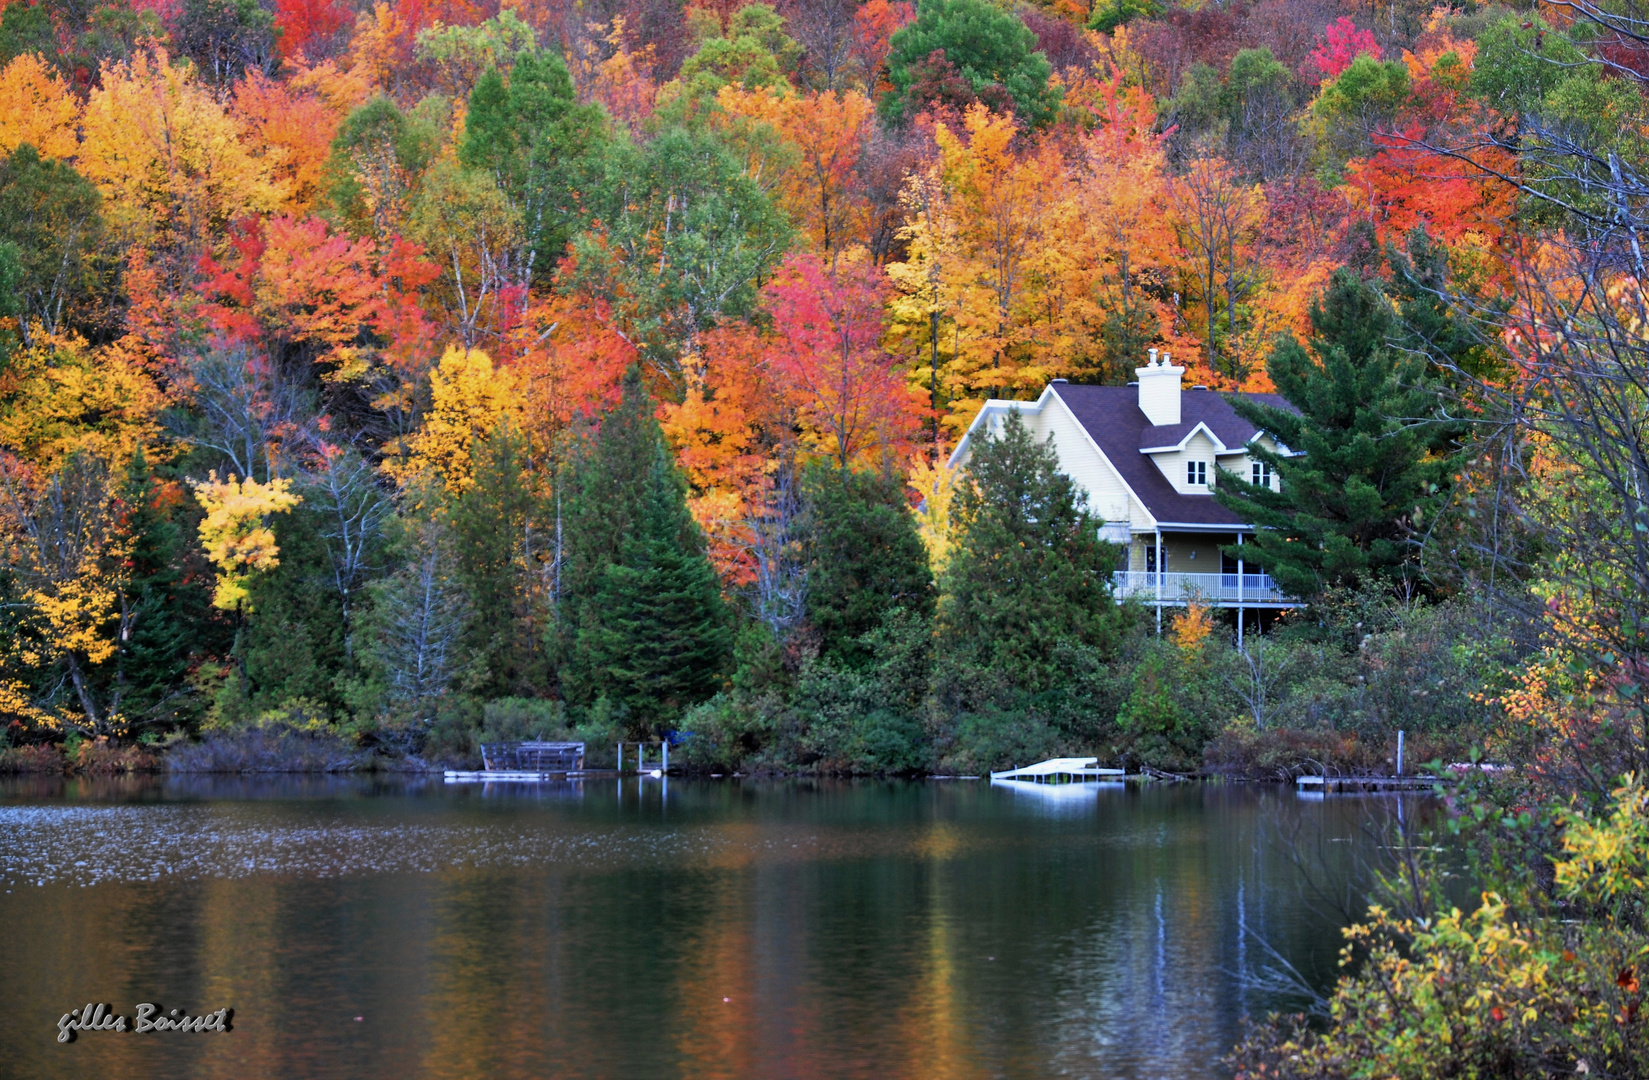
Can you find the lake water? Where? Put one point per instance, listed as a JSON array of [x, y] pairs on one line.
[[687, 928]]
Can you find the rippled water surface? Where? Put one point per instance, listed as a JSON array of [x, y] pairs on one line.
[[714, 928]]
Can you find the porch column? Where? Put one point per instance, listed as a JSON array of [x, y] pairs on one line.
[[1159, 581], [1239, 590]]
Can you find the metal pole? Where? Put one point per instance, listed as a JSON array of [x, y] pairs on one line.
[[1239, 591], [620, 757], [666, 755], [1399, 752], [1159, 582]]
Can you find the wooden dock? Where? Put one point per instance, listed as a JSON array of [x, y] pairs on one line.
[[1324, 784]]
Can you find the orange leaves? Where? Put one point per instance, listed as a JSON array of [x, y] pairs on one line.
[[295, 281], [294, 129], [569, 359], [36, 108], [829, 131]]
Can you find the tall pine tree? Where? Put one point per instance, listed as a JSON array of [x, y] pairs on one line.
[[1370, 457], [646, 627], [865, 558], [1030, 570]]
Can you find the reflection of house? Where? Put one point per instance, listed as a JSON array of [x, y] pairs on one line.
[[1148, 455]]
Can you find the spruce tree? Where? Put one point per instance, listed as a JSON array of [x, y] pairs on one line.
[[865, 558], [1369, 455], [1029, 571], [647, 629], [492, 522], [168, 616]]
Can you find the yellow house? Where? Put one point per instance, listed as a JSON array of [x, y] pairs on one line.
[[1147, 456]]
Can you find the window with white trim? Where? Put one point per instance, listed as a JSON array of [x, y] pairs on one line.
[[1260, 474], [1196, 473]]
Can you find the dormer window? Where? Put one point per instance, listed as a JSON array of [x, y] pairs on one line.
[[1260, 474], [1196, 474]]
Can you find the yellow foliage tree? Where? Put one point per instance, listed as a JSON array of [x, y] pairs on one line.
[[36, 108], [235, 531], [937, 483], [169, 159], [469, 399], [60, 539], [64, 397], [978, 262]]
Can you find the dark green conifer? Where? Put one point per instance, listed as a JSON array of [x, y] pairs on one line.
[[647, 629], [1029, 570], [865, 558], [1369, 457]]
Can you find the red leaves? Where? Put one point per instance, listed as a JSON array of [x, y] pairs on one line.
[[305, 22], [826, 353], [296, 281], [1340, 44]]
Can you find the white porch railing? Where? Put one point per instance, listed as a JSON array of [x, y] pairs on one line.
[[1212, 588]]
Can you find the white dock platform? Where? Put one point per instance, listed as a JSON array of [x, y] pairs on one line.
[[1067, 768], [460, 776]]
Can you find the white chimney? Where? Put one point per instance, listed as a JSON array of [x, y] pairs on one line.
[[1159, 390]]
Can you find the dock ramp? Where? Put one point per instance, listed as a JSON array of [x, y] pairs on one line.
[[1062, 770]]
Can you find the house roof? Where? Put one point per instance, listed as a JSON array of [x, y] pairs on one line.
[[1198, 407], [1112, 417]]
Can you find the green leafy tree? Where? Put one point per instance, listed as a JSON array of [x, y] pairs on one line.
[[1029, 572], [50, 223], [992, 49], [26, 28], [540, 145], [1364, 98], [1110, 14], [377, 157], [1368, 461], [865, 559], [685, 234], [755, 53], [647, 633]]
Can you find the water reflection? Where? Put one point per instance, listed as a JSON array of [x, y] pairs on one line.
[[651, 929]]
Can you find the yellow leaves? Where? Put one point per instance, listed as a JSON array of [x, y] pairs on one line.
[[936, 482], [75, 612], [469, 399], [1609, 857], [67, 397], [236, 534], [36, 108], [1192, 627], [166, 155]]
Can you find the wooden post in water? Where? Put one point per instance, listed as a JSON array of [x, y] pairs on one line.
[[621, 757]]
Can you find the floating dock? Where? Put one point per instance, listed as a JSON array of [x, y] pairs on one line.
[[527, 776], [1318, 784], [1060, 771]]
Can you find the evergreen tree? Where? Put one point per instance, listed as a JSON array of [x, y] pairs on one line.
[[168, 616], [990, 48], [1030, 570], [1369, 458], [865, 559], [492, 522], [648, 631]]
